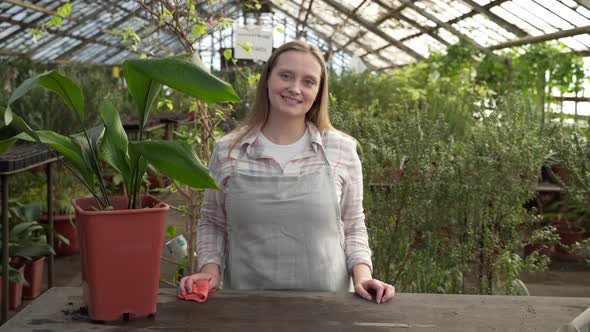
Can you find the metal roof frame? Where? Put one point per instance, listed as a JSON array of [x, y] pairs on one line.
[[382, 33]]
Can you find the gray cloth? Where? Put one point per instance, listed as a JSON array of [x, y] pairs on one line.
[[284, 232], [579, 324]]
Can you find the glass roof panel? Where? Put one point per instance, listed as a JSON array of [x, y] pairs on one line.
[[325, 29], [583, 39], [350, 29], [414, 16], [373, 40], [91, 21], [424, 44], [516, 20], [441, 10], [350, 4], [547, 15], [573, 43], [7, 30], [567, 13], [377, 61], [395, 56], [447, 36], [522, 10], [583, 11], [397, 29], [370, 11], [476, 29]]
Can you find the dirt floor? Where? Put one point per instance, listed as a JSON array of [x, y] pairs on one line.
[[563, 279]]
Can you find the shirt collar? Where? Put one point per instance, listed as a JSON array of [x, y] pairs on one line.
[[251, 139]]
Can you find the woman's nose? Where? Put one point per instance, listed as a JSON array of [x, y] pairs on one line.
[[295, 87]]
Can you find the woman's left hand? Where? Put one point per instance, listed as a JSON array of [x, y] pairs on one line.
[[383, 292]]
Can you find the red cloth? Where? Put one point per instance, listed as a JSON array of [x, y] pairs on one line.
[[199, 293]]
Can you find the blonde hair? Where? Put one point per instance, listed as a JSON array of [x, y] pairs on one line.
[[317, 114]]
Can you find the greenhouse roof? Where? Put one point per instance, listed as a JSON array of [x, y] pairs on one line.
[[380, 33]]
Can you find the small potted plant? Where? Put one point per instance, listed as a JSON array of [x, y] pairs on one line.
[[121, 236], [27, 250], [65, 187]]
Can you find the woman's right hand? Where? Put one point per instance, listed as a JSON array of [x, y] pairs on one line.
[[209, 272]]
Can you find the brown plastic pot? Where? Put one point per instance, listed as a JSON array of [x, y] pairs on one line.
[[120, 253], [34, 276], [64, 225], [15, 291]]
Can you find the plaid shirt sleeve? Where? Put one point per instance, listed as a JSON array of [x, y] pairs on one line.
[[343, 156], [212, 228]]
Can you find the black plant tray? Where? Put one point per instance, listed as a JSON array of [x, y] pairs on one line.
[[23, 156]]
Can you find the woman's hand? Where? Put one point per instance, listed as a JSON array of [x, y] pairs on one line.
[[365, 285], [209, 272], [383, 292]]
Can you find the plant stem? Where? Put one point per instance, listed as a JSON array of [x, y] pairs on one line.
[[81, 179]]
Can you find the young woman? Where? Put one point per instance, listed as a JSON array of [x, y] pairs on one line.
[[290, 215]]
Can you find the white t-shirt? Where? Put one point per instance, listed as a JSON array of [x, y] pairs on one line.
[[284, 153]]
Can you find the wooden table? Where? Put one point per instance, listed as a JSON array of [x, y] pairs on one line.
[[59, 310]]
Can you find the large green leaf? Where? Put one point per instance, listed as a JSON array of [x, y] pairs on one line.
[[176, 159], [20, 91], [184, 73], [23, 229], [28, 212], [143, 89], [7, 143], [54, 81], [68, 149], [16, 126], [63, 86], [30, 249], [113, 147]]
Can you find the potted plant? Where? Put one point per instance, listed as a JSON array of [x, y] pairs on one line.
[[65, 187], [27, 250], [121, 236]]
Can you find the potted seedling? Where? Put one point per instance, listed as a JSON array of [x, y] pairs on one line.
[[121, 236]]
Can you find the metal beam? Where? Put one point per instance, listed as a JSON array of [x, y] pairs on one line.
[[62, 34], [361, 34], [583, 3], [319, 34], [32, 6], [14, 53], [69, 54], [84, 19], [543, 38], [21, 29], [396, 13], [496, 19], [304, 22], [369, 26], [441, 23], [457, 19]]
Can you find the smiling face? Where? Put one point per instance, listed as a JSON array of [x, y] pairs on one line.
[[293, 84]]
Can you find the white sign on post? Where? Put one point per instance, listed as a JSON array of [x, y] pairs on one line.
[[254, 37]]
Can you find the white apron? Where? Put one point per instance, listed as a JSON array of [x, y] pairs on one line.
[[284, 232]]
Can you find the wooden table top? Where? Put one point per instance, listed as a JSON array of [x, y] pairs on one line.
[[58, 309]]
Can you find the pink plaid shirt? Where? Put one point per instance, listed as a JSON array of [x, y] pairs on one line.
[[344, 160]]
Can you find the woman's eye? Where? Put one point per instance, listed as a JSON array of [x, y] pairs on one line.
[[309, 82], [284, 76]]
